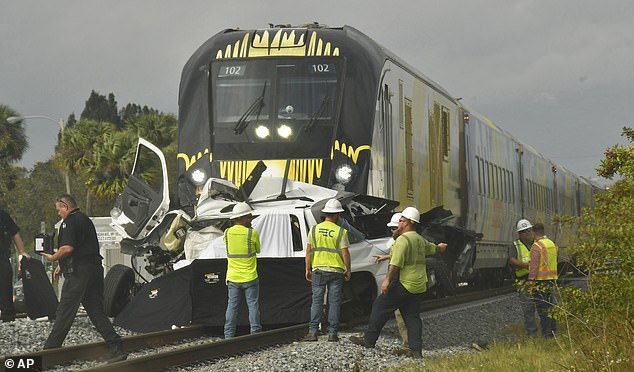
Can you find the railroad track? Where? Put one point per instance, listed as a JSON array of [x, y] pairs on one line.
[[211, 348], [208, 350]]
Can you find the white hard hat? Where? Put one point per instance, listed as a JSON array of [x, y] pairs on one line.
[[332, 206], [411, 213], [241, 209], [394, 221], [523, 225]]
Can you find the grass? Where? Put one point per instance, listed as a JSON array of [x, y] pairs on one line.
[[523, 354], [535, 354]]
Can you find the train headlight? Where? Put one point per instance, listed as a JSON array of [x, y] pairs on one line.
[[262, 131], [343, 174], [284, 131], [198, 177]]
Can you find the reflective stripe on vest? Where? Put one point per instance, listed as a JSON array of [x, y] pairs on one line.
[[523, 255], [327, 254], [249, 253], [547, 269]]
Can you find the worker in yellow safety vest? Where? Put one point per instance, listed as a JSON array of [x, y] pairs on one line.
[[543, 271], [519, 259], [242, 242], [403, 286], [327, 266]]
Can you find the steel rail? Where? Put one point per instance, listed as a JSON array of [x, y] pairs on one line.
[[92, 351], [208, 350]]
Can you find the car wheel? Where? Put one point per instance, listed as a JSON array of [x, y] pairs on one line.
[[118, 289]]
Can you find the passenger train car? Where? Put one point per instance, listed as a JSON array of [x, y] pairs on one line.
[[330, 107]]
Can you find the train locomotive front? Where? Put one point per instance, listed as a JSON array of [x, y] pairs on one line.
[[301, 99]]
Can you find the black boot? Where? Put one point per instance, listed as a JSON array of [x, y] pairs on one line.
[[116, 353]]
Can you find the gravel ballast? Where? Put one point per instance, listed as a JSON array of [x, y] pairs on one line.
[[444, 333]]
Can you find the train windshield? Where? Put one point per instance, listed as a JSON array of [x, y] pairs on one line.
[[274, 108]]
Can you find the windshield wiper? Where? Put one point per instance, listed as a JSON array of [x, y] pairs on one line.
[[313, 120], [257, 105]]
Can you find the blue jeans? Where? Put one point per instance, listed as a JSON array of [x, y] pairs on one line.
[[528, 312], [251, 293], [334, 282], [544, 300]]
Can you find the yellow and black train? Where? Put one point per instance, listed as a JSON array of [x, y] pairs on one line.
[[330, 106]]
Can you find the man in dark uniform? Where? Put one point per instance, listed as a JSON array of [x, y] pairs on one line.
[[9, 232], [80, 262]]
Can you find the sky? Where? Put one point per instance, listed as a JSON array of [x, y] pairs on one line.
[[558, 75]]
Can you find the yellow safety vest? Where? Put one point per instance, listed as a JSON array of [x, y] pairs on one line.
[[242, 244], [547, 269], [523, 255], [325, 244]]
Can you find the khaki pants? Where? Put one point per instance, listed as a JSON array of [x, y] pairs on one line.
[[402, 329]]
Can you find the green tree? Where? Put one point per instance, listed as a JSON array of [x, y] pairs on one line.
[[71, 120], [162, 131], [112, 163], [76, 153], [103, 156], [101, 109], [13, 144], [134, 111], [599, 320], [32, 200]]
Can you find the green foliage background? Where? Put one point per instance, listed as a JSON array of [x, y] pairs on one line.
[[599, 321], [97, 150]]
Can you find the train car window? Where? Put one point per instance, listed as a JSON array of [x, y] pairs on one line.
[[512, 188], [491, 188], [506, 186], [482, 174], [401, 105], [485, 176], [494, 183], [409, 148], [492, 177], [274, 108], [550, 199], [445, 132], [498, 176], [503, 181], [479, 174], [494, 186], [536, 190], [537, 196]]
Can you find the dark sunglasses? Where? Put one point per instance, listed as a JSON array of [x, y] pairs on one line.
[[526, 230], [393, 228], [59, 200]]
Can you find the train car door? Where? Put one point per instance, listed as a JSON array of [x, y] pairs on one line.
[[436, 138]]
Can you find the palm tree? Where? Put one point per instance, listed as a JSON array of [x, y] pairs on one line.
[[13, 144], [76, 153], [112, 164], [13, 141]]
